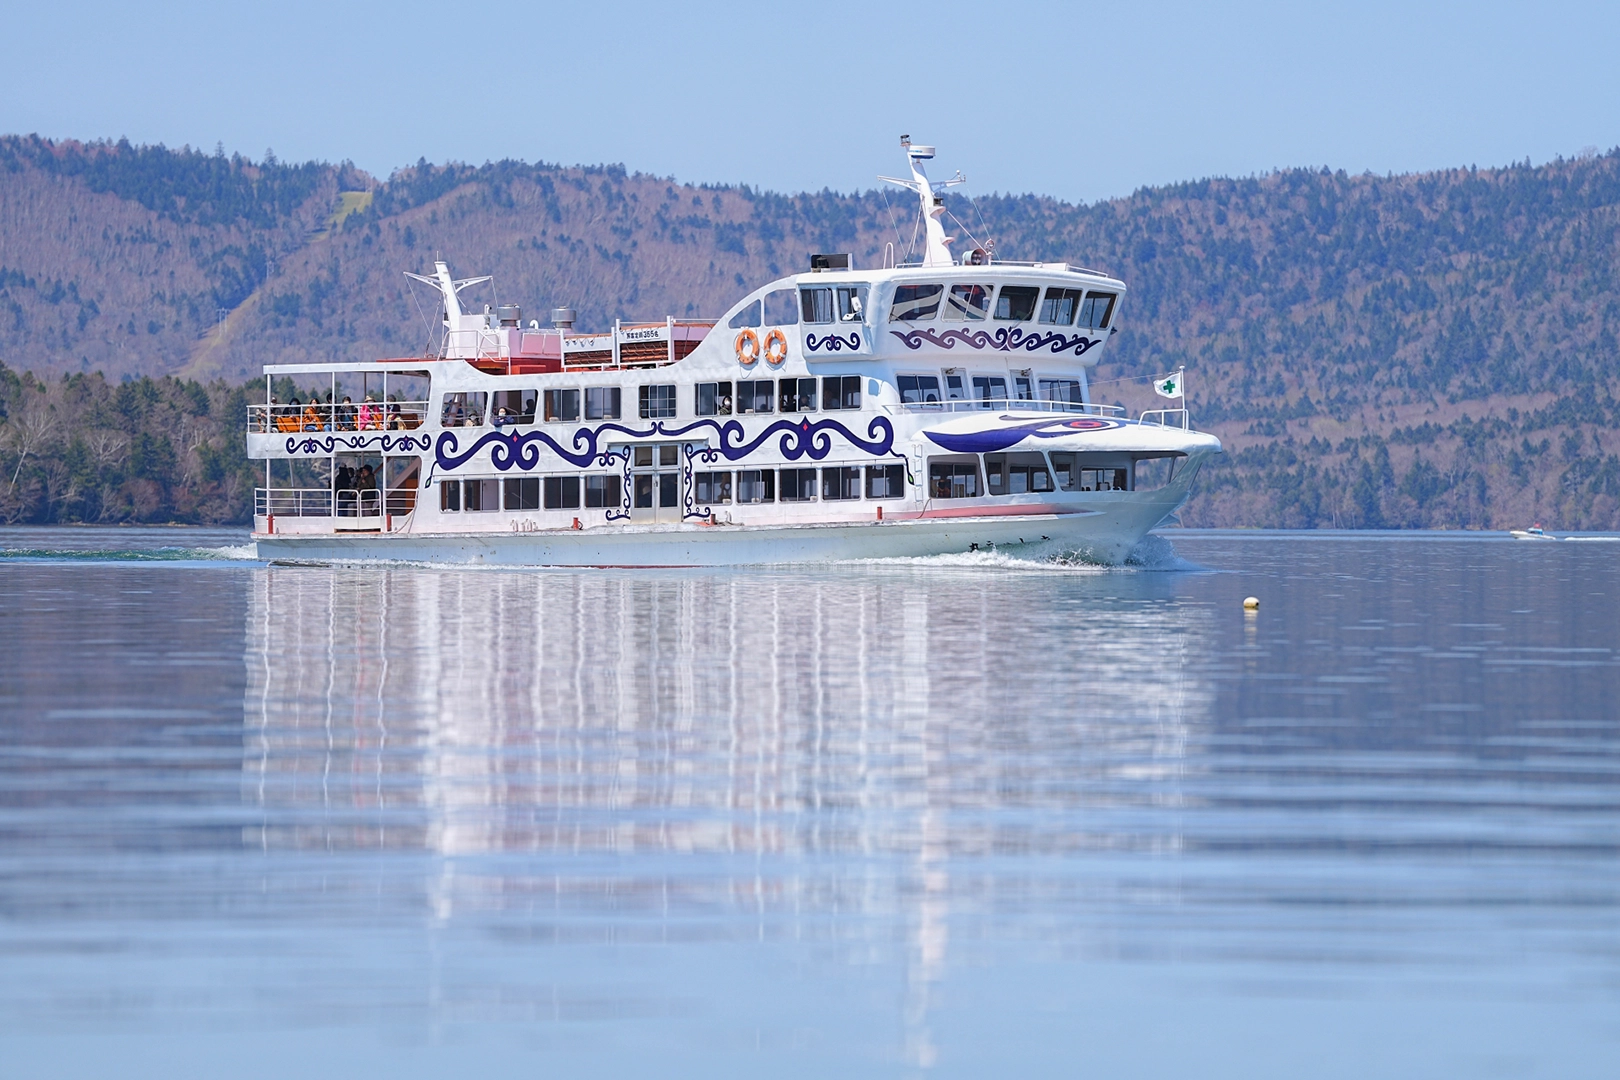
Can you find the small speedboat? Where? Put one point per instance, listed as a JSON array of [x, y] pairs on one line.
[[1534, 532]]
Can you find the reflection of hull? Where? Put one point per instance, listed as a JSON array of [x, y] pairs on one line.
[[1104, 528]]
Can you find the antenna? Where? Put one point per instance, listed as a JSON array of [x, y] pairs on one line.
[[937, 251]]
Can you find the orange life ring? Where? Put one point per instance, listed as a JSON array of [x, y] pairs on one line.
[[775, 348], [747, 348]]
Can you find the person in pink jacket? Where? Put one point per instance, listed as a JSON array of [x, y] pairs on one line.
[[370, 415]]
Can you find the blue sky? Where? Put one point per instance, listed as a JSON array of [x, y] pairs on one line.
[[1081, 101]]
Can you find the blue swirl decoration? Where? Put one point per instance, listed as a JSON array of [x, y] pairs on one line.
[[329, 444], [797, 439], [832, 342], [993, 439], [1005, 339]]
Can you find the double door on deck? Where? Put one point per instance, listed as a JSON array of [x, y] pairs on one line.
[[655, 482]]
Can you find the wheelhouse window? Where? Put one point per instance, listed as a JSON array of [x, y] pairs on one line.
[[798, 485], [713, 488], [816, 305], [915, 303], [562, 492], [602, 402], [1082, 472], [990, 390], [954, 390], [514, 407], [756, 486], [918, 389], [798, 395], [885, 481], [1016, 474], [1024, 387], [1016, 303], [1062, 392], [714, 399], [840, 482], [754, 396], [657, 402], [463, 409], [841, 392], [954, 477], [1096, 310], [851, 303], [747, 316], [782, 308], [968, 303], [602, 491], [1059, 306], [562, 405], [523, 492]]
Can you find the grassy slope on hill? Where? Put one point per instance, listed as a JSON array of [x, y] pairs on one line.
[[1415, 350]]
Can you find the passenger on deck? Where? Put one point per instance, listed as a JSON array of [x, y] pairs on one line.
[[345, 414], [287, 417], [502, 417], [343, 484], [395, 422], [312, 416], [370, 415]]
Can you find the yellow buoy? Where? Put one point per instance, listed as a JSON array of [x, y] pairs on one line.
[[1251, 603]]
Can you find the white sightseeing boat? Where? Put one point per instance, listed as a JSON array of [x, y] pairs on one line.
[[935, 406]]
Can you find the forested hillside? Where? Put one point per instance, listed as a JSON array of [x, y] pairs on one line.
[[1425, 350]]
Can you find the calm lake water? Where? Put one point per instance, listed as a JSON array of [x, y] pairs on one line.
[[957, 817]]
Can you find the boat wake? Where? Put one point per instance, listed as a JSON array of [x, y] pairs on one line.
[[228, 553], [1153, 554]]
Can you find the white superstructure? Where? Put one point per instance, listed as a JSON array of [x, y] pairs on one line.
[[934, 406]]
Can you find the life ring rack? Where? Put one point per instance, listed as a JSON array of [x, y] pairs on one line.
[[748, 348], [776, 348]]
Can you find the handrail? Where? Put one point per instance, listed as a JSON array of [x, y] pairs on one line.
[[292, 419], [342, 503], [1013, 404], [1166, 418]]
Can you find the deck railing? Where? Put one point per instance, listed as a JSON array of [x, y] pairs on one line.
[[1007, 404], [366, 416], [1166, 417], [325, 503]]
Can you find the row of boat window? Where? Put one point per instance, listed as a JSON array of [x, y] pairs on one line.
[[958, 476], [832, 483], [513, 408], [923, 302], [990, 391], [530, 493], [1011, 303]]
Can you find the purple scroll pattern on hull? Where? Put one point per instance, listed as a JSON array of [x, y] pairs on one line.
[[1006, 339], [994, 439]]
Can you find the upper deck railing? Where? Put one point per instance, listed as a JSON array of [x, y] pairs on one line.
[[968, 405], [367, 416]]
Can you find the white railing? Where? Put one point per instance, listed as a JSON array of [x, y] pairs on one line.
[[292, 502], [1007, 404], [324, 503], [1166, 418], [316, 417]]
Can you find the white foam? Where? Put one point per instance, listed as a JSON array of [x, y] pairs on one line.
[[232, 552]]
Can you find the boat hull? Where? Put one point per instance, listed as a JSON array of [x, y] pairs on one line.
[[1104, 532]]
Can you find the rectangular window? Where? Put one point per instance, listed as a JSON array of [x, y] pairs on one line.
[[1104, 480], [602, 402], [562, 492], [713, 488], [644, 490], [714, 399], [523, 493], [798, 395], [990, 390], [851, 303], [450, 496], [885, 481], [798, 485], [669, 454], [657, 402], [754, 397], [1096, 310], [1059, 306], [816, 305], [514, 407], [1016, 474], [669, 490], [562, 405], [756, 486], [1016, 303], [461, 410], [1062, 392], [1024, 388], [953, 388], [918, 389], [953, 478], [915, 303], [781, 308], [841, 392], [967, 303], [481, 496], [841, 482], [602, 491]]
